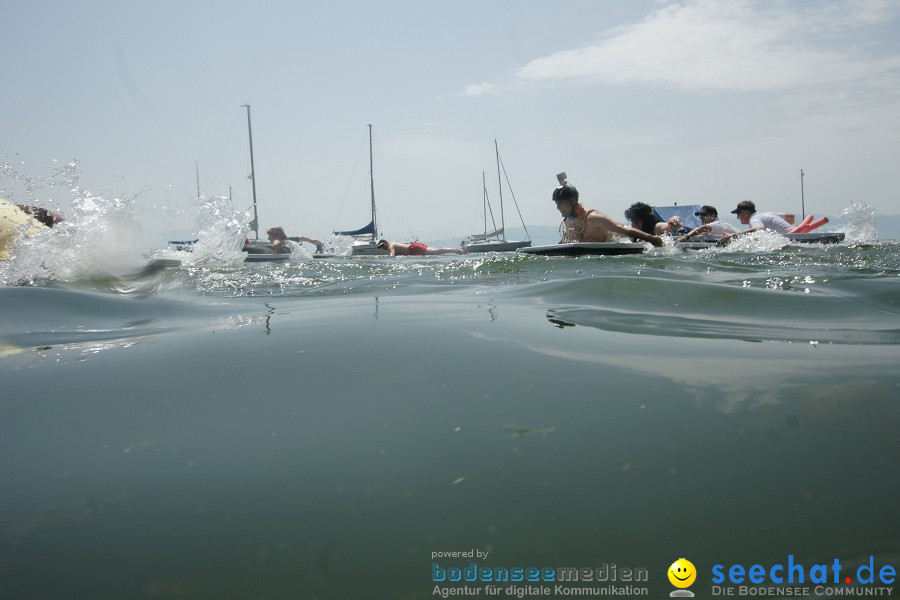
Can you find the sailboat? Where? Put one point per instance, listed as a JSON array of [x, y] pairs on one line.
[[365, 239], [256, 250], [495, 240]]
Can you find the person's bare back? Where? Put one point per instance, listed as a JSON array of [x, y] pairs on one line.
[[580, 225]]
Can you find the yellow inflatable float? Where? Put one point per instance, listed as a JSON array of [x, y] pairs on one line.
[[14, 222]]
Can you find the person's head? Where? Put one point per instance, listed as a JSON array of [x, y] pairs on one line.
[[641, 217], [744, 211], [383, 244], [42, 215], [566, 199], [276, 233], [707, 214]]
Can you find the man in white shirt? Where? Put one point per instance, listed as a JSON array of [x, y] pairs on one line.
[[747, 215], [712, 226]]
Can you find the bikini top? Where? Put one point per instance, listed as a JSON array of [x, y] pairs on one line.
[[577, 233]]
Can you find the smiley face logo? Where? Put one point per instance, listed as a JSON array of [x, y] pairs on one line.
[[682, 573]]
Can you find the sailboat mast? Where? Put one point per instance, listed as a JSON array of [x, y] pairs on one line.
[[372, 186], [802, 197], [255, 224], [484, 200], [500, 184]]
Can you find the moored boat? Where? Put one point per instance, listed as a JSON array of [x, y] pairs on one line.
[[495, 240], [495, 245], [256, 250], [365, 239]]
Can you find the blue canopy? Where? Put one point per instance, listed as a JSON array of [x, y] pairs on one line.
[[688, 219], [368, 229]]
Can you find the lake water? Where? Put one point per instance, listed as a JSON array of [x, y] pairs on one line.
[[319, 428]]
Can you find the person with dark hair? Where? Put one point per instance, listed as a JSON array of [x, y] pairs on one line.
[[581, 225], [641, 216], [416, 249], [711, 226], [747, 215], [42, 215]]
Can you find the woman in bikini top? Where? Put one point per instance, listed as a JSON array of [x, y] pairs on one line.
[[575, 233]]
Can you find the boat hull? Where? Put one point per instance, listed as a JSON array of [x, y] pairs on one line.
[[267, 258], [794, 238], [498, 246], [366, 248], [256, 252], [586, 249], [816, 238], [695, 245]]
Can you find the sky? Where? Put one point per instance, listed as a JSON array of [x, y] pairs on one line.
[[657, 101]]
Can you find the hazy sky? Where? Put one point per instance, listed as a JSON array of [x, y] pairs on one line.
[[697, 101]]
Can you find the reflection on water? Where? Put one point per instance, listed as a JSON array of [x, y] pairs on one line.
[[786, 329]]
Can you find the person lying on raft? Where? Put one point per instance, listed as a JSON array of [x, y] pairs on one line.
[[641, 216], [415, 249], [747, 215], [711, 227], [278, 238], [580, 225]]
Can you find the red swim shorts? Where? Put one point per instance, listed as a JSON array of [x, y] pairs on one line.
[[417, 249]]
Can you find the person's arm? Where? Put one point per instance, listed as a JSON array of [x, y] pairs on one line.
[[637, 233], [320, 247], [604, 222], [698, 231], [727, 238], [670, 226], [305, 239], [632, 232], [392, 250]]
